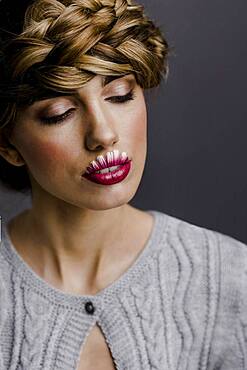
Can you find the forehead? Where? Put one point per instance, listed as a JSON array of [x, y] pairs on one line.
[[106, 80], [105, 85]]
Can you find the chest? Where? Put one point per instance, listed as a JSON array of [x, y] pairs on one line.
[[95, 353]]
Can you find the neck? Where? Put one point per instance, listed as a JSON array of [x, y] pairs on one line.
[[68, 245]]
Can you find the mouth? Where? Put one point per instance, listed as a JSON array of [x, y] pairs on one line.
[[110, 162], [110, 177], [109, 170]]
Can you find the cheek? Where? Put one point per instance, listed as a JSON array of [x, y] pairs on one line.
[[45, 156], [138, 125]]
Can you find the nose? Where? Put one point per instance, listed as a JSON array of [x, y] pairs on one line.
[[101, 131]]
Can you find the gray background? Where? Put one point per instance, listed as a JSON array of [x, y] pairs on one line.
[[197, 148]]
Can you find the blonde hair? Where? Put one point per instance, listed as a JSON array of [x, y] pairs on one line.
[[64, 44]]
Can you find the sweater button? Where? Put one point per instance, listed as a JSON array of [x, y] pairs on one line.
[[89, 307]]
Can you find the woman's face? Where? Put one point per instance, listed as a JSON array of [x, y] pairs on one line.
[[101, 117]]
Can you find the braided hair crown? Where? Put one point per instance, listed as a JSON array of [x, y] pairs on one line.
[[63, 44]]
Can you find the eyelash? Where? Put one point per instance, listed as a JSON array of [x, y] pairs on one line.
[[121, 99]]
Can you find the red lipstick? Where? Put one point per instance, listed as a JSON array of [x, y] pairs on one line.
[[109, 169]]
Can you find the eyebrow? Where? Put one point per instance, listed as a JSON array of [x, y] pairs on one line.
[[107, 79]]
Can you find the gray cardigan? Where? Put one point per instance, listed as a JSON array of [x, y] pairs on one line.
[[181, 305]]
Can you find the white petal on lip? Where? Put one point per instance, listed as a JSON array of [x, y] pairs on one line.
[[109, 157], [102, 161], [124, 156], [116, 155], [95, 165]]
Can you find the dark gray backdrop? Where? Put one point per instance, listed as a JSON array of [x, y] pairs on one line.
[[195, 168], [197, 124]]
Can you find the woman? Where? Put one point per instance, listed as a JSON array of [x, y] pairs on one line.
[[88, 281]]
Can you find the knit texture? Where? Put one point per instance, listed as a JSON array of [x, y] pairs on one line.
[[181, 305]]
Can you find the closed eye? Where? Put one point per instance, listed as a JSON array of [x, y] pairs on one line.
[[57, 119], [62, 117], [122, 98]]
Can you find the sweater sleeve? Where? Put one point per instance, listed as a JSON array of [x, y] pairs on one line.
[[229, 344]]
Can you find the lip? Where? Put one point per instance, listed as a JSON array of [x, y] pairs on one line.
[[110, 178], [110, 159]]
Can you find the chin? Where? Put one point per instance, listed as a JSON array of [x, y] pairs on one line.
[[108, 202], [116, 197]]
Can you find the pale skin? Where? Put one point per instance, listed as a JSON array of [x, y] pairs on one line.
[[80, 236]]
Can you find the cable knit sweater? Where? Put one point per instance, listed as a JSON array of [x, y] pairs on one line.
[[181, 305]]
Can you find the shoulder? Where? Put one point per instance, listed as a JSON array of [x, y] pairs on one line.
[[6, 270], [192, 235], [204, 276], [3, 293], [220, 259], [202, 251]]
